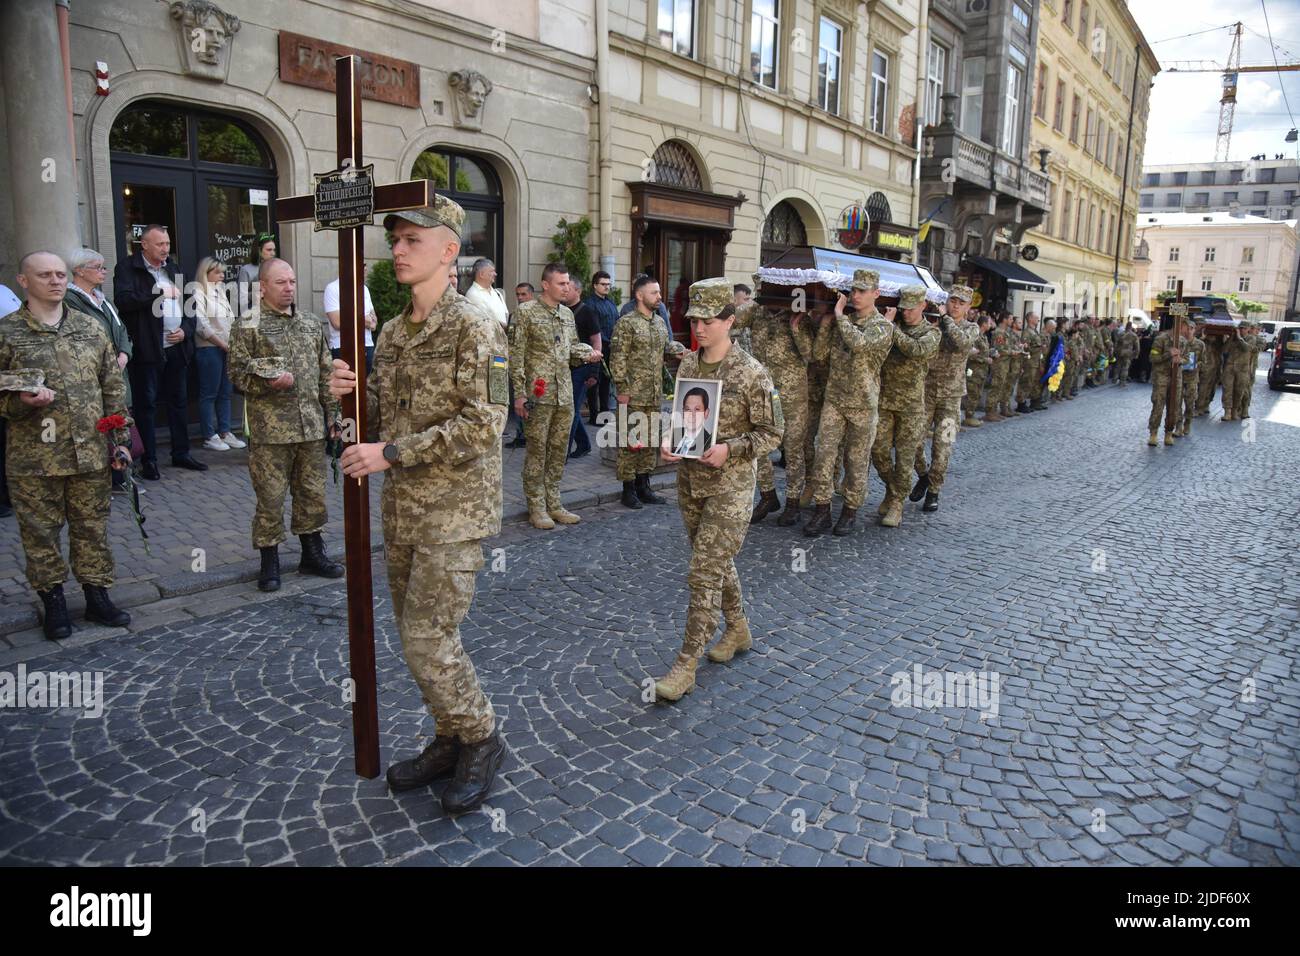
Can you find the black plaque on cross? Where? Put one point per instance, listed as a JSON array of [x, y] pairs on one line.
[[346, 200]]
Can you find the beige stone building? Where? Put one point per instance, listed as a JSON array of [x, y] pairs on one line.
[[1091, 95]]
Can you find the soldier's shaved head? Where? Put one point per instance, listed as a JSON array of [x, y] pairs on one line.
[[43, 275], [268, 265], [27, 259], [279, 285]]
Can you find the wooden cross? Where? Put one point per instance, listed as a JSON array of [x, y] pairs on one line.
[[352, 198]]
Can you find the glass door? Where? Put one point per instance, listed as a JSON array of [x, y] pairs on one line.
[[235, 215], [146, 196], [681, 268]]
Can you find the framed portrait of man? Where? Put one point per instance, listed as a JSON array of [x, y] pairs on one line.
[[695, 416]]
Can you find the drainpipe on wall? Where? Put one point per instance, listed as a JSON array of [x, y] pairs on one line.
[[65, 51], [605, 175], [922, 34]]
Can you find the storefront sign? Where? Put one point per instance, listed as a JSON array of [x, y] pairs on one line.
[[232, 251], [308, 62], [892, 240], [852, 225]]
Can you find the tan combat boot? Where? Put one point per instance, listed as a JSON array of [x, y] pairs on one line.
[[679, 680], [735, 638], [970, 421], [1169, 439], [894, 515], [1153, 439], [540, 519], [993, 416], [562, 516]]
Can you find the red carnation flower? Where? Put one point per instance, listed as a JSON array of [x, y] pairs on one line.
[[539, 387], [110, 423]]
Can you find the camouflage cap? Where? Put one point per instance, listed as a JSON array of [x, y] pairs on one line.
[[963, 293], [22, 380], [443, 212], [273, 366], [866, 279], [910, 296], [709, 297]]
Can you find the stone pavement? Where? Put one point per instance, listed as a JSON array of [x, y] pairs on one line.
[[199, 526], [1135, 606]]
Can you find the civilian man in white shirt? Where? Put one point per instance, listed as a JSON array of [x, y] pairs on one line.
[[485, 295], [333, 313]]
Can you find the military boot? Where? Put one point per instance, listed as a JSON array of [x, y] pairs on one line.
[[315, 560], [1169, 439], [820, 522], [268, 578], [1187, 427], [476, 768], [561, 515], [847, 521], [629, 498], [993, 416], [643, 491], [435, 761], [56, 624], [931, 501], [768, 502], [893, 516], [540, 519], [790, 516], [101, 609], [735, 638], [919, 489], [970, 421], [679, 680], [1153, 439]]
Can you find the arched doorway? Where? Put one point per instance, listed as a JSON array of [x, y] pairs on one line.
[[783, 228], [208, 177], [473, 184]]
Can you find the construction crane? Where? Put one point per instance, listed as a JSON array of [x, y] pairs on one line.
[[1228, 102]]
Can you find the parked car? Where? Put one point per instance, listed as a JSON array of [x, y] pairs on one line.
[[1285, 369]]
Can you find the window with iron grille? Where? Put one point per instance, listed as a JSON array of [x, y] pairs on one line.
[[784, 226], [675, 166]]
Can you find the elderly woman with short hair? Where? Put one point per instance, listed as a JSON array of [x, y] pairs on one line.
[[88, 271]]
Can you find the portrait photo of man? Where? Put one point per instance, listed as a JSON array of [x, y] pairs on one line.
[[695, 416]]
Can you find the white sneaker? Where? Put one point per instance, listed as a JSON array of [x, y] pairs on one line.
[[216, 444], [232, 441]]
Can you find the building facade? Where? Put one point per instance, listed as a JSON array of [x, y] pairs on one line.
[[1220, 253], [1091, 96], [980, 190], [1265, 188]]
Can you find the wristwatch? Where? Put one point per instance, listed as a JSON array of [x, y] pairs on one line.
[[391, 453]]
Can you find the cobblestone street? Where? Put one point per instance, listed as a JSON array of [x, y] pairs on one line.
[[1137, 607]]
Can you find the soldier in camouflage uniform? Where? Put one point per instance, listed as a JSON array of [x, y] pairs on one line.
[[1016, 336], [945, 387], [1030, 389], [1126, 350], [783, 343], [1167, 354], [902, 401], [1000, 347], [1192, 358], [58, 378], [435, 410], [1247, 385], [1077, 361], [1210, 373], [280, 360], [817, 375], [977, 373], [715, 492], [1096, 351], [1239, 371], [543, 347], [854, 349], [639, 346]]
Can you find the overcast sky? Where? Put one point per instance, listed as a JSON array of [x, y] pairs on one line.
[[1184, 120]]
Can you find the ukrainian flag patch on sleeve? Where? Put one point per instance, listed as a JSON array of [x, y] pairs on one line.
[[499, 380]]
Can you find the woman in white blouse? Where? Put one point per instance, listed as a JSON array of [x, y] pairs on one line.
[[211, 351]]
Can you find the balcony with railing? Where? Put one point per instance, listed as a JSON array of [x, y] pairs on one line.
[[948, 152]]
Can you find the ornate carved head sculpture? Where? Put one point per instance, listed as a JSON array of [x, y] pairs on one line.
[[470, 90], [204, 31]]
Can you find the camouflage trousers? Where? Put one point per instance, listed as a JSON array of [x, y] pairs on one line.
[[792, 386], [1246, 388], [546, 431], [716, 527], [1189, 396], [298, 469], [1206, 384], [854, 431], [639, 461], [1235, 381], [974, 389], [432, 587], [1160, 400], [1030, 387], [898, 436], [43, 505], [1013, 381], [999, 388], [1122, 369], [942, 416]]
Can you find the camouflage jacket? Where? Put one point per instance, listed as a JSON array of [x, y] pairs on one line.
[[749, 422], [440, 397], [1016, 340], [855, 350], [1241, 351], [636, 362], [80, 366], [297, 340], [1198, 346], [902, 377], [1000, 343], [1160, 353], [777, 343], [946, 376], [1127, 346], [1075, 347], [544, 344], [978, 354], [1035, 343]]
